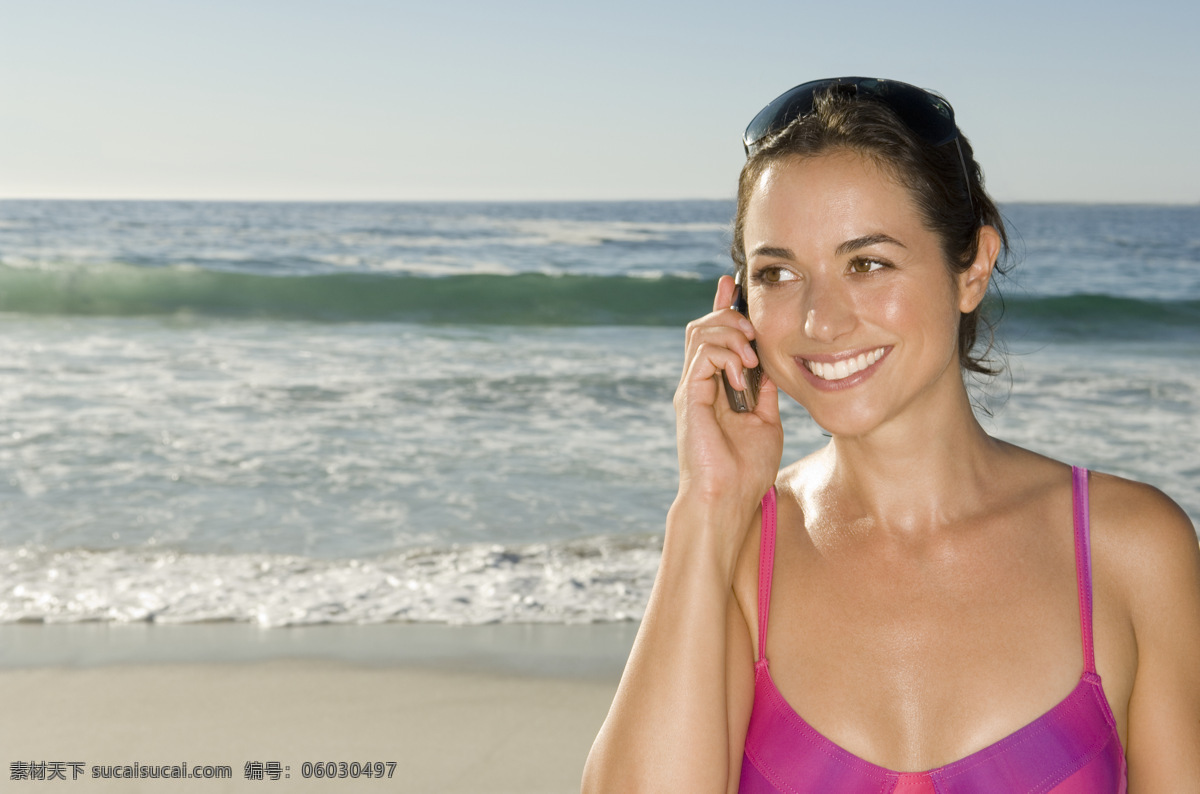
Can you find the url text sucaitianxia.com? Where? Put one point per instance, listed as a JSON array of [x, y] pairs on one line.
[[251, 770]]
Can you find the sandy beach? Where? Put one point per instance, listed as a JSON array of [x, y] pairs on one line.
[[449, 726]]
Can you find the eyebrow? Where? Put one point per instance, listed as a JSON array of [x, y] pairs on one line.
[[775, 252], [868, 240]]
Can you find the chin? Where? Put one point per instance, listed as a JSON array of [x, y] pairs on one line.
[[841, 420], [846, 427]]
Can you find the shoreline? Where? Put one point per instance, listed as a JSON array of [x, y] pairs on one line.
[[591, 650]]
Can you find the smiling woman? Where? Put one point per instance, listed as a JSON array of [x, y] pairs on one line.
[[948, 612]]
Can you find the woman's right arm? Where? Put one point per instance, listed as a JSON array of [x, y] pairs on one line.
[[678, 720]]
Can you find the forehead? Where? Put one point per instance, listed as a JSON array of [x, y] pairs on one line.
[[829, 198]]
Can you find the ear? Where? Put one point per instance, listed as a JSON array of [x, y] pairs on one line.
[[973, 282]]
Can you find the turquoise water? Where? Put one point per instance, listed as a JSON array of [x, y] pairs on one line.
[[362, 413]]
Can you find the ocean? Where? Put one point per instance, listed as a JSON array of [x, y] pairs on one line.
[[288, 414]]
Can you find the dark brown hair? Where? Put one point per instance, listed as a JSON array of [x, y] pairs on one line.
[[933, 176]]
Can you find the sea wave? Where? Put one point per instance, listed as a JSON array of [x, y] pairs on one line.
[[1093, 316], [497, 299], [521, 299], [595, 580]]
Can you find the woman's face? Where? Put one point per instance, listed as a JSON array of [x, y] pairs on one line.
[[855, 310]]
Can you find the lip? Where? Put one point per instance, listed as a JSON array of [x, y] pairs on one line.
[[832, 358]]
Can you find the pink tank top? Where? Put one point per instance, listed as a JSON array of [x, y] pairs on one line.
[[1071, 749]]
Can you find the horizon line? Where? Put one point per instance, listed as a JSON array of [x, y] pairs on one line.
[[645, 200]]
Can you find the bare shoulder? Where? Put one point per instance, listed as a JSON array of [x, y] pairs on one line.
[[1150, 527], [1148, 548], [1146, 541], [1138, 504]]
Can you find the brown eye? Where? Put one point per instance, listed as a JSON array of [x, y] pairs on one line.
[[773, 275], [866, 265]]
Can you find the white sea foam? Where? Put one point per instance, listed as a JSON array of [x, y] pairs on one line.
[[592, 233], [583, 581]]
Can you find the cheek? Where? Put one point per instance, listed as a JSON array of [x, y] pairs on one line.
[[929, 313], [759, 314], [774, 326]]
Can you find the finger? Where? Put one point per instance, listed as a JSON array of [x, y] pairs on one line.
[[724, 296], [714, 330], [720, 317], [709, 362]]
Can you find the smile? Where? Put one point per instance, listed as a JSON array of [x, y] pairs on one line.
[[845, 367]]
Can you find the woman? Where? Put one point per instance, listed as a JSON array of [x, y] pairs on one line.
[[947, 612]]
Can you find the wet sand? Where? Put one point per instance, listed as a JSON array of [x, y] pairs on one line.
[[450, 724]]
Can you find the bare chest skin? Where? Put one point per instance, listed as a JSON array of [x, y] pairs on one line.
[[915, 650]]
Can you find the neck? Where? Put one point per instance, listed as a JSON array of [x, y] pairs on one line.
[[917, 474]]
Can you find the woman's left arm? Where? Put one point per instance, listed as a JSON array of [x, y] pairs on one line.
[[1162, 571]]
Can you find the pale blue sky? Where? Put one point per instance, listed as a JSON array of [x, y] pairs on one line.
[[516, 99]]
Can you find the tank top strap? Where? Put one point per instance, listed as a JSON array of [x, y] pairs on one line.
[[1083, 562], [766, 565]]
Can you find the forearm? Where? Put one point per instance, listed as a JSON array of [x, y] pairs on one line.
[[668, 726]]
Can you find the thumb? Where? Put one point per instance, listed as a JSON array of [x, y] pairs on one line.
[[768, 400]]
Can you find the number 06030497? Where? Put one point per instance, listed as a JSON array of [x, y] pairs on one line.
[[342, 769]]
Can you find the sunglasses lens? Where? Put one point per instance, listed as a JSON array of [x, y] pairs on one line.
[[926, 114], [782, 111]]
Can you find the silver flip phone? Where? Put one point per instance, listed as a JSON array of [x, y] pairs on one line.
[[743, 401]]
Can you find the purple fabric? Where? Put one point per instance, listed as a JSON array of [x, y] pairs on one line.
[[1071, 749]]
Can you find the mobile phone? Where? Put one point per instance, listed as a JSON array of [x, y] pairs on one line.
[[743, 401]]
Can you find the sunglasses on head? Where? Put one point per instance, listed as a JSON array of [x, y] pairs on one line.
[[928, 115]]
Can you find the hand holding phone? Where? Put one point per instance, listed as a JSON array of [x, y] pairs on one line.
[[743, 401]]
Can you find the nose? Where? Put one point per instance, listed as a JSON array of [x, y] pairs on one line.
[[829, 312]]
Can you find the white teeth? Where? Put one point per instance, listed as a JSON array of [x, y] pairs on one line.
[[846, 367]]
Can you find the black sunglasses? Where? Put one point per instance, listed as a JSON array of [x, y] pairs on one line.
[[928, 115]]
